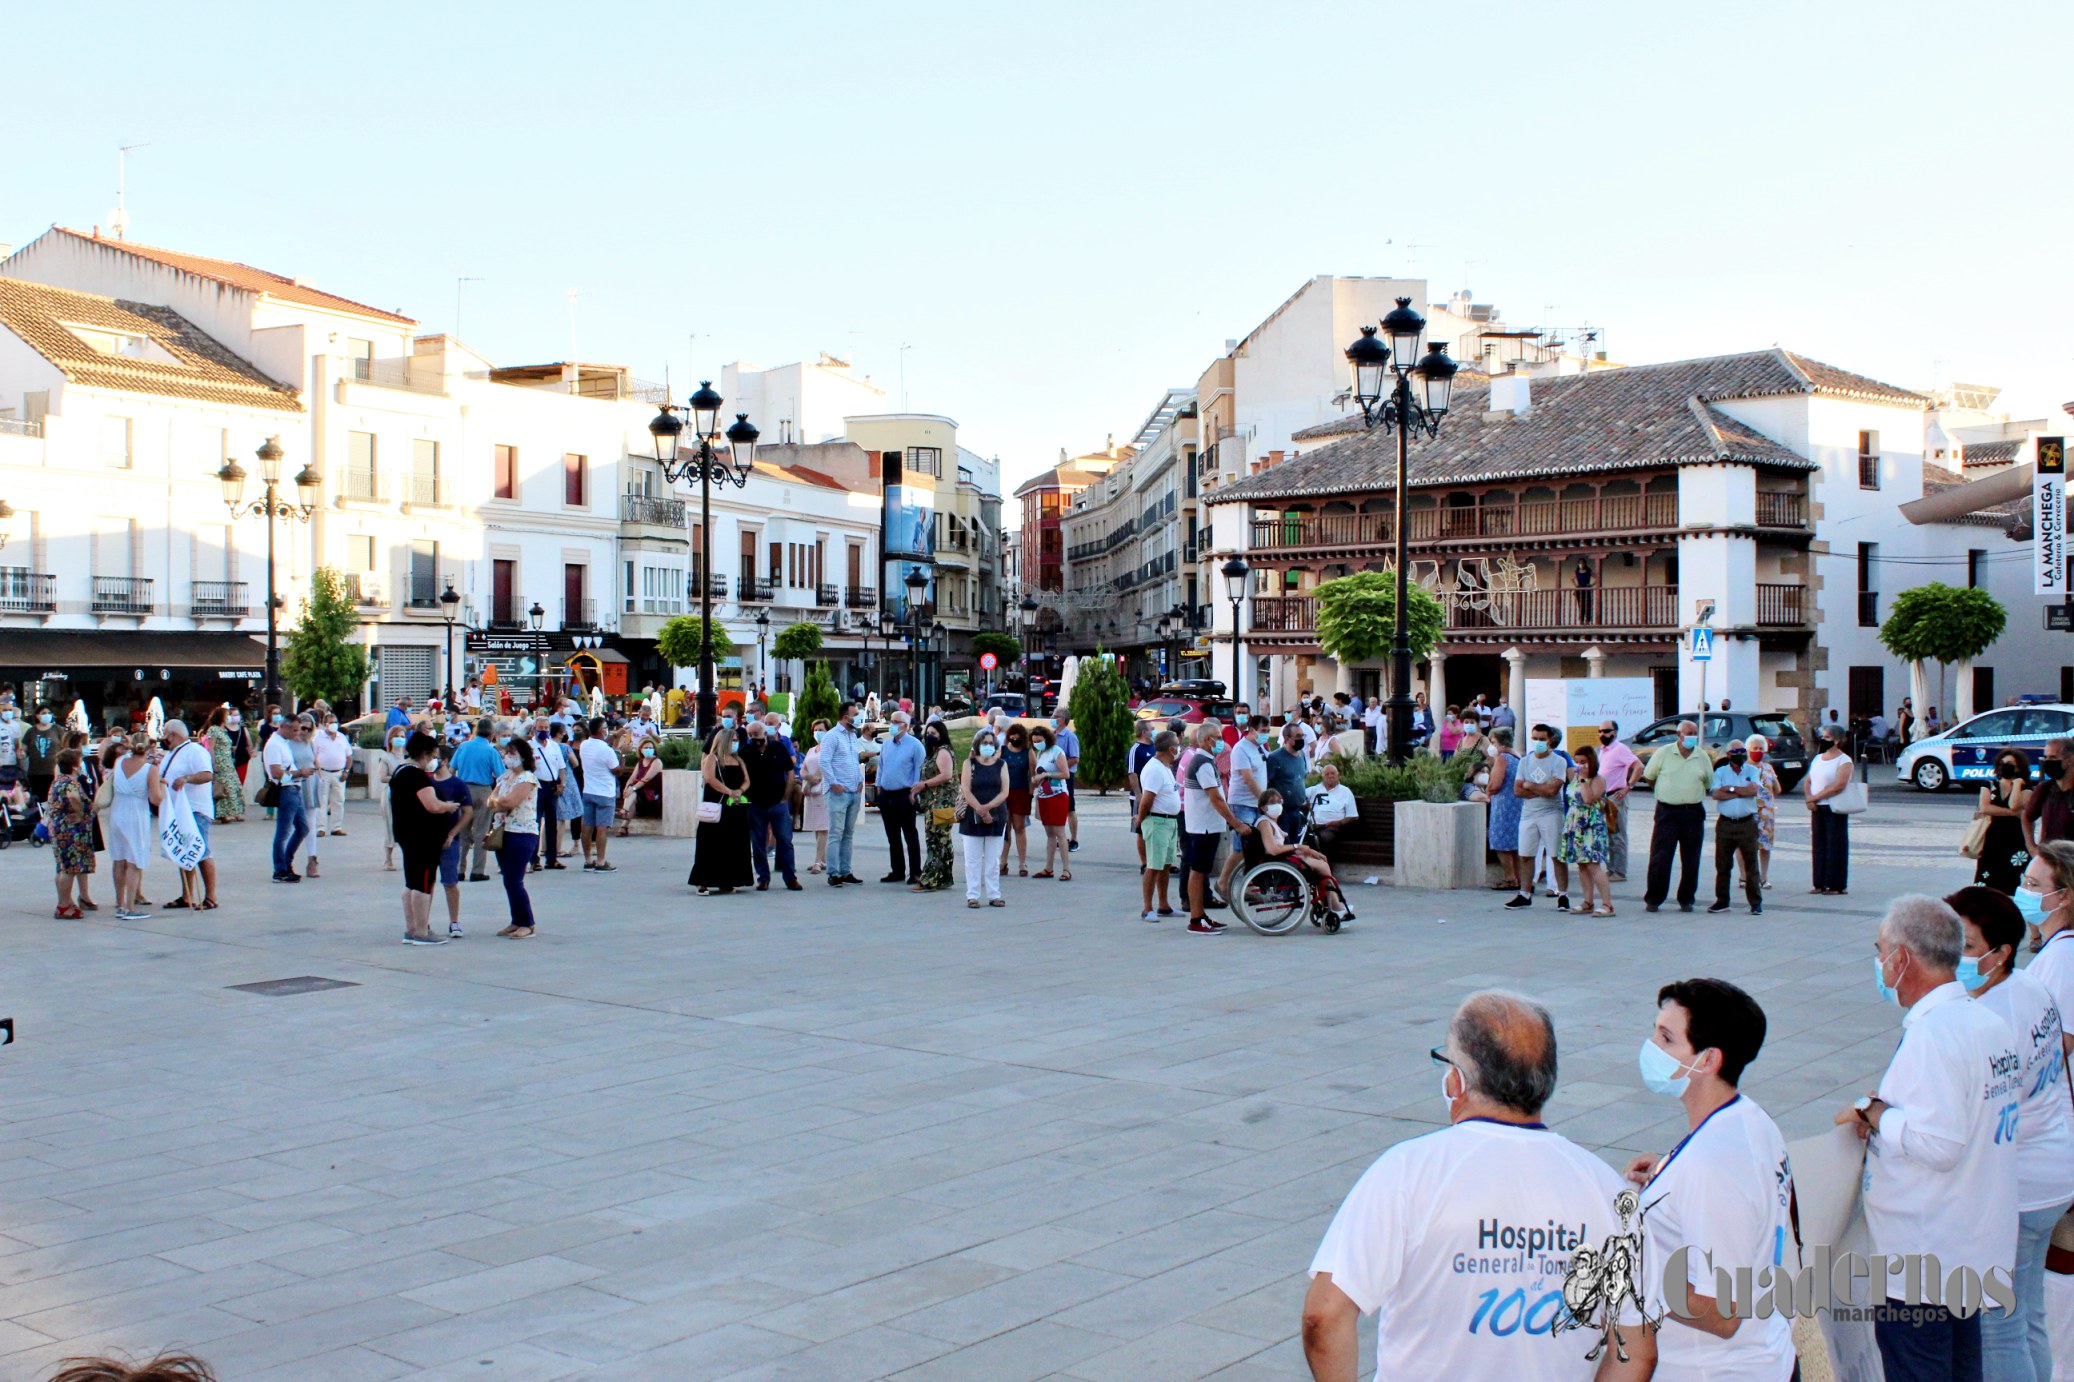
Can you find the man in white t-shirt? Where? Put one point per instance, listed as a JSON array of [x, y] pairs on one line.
[[1372, 721], [1940, 1165], [1460, 1240], [1248, 781], [1332, 807], [1720, 1200], [1158, 822], [190, 767], [1204, 815], [598, 765]]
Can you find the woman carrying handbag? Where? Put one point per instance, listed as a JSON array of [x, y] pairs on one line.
[[1996, 836], [936, 801], [720, 863]]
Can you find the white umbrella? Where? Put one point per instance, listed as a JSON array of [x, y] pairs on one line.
[[77, 719], [155, 718]]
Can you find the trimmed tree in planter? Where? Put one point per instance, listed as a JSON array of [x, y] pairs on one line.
[[1357, 617], [797, 642], [1101, 713], [318, 663]]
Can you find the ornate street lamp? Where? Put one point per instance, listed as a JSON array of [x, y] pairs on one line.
[[535, 615], [270, 506], [704, 463], [449, 605], [917, 584], [1235, 572], [1377, 368], [763, 629]]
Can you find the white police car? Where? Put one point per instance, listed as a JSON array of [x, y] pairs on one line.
[[1966, 752]]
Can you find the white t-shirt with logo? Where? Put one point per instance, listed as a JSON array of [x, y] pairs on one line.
[[2044, 1129], [1155, 777], [1724, 1193], [1459, 1241], [194, 757], [2054, 967], [1940, 1173], [1198, 815]]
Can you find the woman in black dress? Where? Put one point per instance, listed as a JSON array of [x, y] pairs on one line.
[[2002, 852], [721, 863]]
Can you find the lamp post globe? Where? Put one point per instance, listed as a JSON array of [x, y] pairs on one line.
[[535, 615]]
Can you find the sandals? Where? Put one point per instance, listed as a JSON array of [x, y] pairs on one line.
[[68, 914], [997, 902], [1066, 877], [1511, 887], [208, 905], [1022, 871], [89, 905], [1041, 873], [973, 903]]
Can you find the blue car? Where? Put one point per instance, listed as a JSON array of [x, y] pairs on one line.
[[1966, 752]]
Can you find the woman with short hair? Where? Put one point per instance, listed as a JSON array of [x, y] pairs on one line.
[[515, 802], [418, 815]]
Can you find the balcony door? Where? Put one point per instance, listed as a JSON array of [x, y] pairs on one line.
[[503, 581], [573, 611]]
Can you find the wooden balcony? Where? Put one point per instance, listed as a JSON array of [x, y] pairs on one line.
[[1584, 612], [1606, 514], [1781, 509]]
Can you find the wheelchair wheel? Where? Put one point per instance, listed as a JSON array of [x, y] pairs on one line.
[[1273, 898]]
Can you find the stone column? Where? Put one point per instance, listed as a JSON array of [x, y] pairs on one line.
[[1595, 661], [1436, 685], [1516, 690]]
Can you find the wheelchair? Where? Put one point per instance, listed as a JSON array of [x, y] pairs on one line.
[[1275, 896]]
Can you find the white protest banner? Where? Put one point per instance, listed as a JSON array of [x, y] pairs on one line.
[[178, 835]]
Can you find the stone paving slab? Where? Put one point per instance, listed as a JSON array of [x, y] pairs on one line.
[[833, 1134]]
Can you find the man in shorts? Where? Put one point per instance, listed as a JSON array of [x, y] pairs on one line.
[[1204, 817], [1539, 780], [1158, 822]]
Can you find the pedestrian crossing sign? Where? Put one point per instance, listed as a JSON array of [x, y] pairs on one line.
[[1702, 644]]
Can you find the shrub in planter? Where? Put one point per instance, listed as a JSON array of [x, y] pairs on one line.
[[1422, 777]]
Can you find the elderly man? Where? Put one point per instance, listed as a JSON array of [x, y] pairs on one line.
[[1940, 1170], [285, 769], [1734, 790], [1332, 808], [1681, 775], [899, 774], [1156, 820], [550, 769], [478, 763], [1460, 1240], [189, 767], [334, 752], [1621, 770], [1204, 816]]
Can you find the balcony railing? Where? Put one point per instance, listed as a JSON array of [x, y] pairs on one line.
[[581, 615], [423, 489], [1606, 607], [1781, 606], [364, 589], [363, 484], [826, 595], [716, 587], [218, 599], [643, 508], [122, 594], [862, 597], [402, 372], [1781, 509], [1540, 518], [23, 591], [753, 588], [506, 618], [1868, 609], [15, 427]]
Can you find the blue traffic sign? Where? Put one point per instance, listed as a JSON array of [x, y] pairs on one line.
[[1702, 644]]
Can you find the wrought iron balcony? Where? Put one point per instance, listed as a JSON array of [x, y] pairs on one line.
[[363, 485], [23, 591], [862, 597], [218, 599], [421, 592], [1868, 609], [644, 508], [579, 616], [716, 586], [826, 595], [122, 594], [424, 490], [753, 589]]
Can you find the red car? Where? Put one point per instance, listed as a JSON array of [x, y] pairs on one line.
[[1190, 709]]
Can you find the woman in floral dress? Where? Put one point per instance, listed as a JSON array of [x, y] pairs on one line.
[[71, 831], [230, 792], [938, 791], [1585, 839], [1769, 790]]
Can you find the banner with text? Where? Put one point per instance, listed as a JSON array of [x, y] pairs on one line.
[[1578, 705], [2049, 516]]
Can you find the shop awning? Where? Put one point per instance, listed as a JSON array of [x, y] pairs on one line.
[[149, 653]]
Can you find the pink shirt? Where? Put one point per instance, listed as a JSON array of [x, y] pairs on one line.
[[1450, 735], [1616, 761]]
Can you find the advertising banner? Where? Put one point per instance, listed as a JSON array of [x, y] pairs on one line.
[[1577, 706], [2049, 517]]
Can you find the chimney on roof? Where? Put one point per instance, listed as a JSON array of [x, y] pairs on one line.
[[1511, 394]]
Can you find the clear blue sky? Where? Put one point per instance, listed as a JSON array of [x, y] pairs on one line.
[[1065, 208]]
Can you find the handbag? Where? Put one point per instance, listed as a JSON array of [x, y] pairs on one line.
[[104, 795], [943, 815], [1851, 800], [709, 813], [268, 795], [1975, 838], [494, 839], [1611, 807]]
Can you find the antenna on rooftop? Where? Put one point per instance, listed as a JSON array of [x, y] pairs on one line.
[[119, 219], [458, 282]]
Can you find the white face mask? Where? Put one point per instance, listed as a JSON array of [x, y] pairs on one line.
[[1275, 812]]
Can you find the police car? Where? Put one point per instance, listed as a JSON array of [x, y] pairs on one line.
[[1966, 752]]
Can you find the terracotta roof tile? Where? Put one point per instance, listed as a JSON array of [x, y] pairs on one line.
[[241, 276], [1991, 452], [201, 368], [1607, 420]]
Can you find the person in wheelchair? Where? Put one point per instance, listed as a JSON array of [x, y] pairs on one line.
[[1271, 843]]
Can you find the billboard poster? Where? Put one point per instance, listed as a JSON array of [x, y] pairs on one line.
[[2049, 517], [1578, 705], [907, 534]]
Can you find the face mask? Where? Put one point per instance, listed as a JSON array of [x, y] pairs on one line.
[[820, 734], [1968, 973], [236, 721], [1660, 1070], [331, 727], [1261, 738], [648, 753], [1879, 977], [727, 722], [2009, 771], [1447, 1100], [2031, 903], [1275, 812], [1691, 741], [1735, 758], [43, 720], [276, 719], [1604, 737], [987, 751], [1540, 747], [1757, 755], [511, 760]]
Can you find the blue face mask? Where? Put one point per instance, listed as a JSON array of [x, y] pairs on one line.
[[1879, 976], [1691, 741], [727, 722], [2031, 903], [1968, 972], [1661, 1070], [1541, 747], [818, 734]]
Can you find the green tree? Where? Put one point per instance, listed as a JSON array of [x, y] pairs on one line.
[[678, 641], [1357, 617], [321, 663], [818, 701], [1101, 715], [1942, 623], [1004, 646], [797, 642]]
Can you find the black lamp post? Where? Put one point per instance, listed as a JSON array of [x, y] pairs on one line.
[[917, 584], [1235, 572], [536, 615], [1378, 367], [270, 506], [763, 628], [939, 653], [704, 463], [449, 604]]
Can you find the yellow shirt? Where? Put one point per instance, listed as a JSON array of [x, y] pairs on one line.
[[1679, 779]]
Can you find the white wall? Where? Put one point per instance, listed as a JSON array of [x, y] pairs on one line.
[[1286, 377]]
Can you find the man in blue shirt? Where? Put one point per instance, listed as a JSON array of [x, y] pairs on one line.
[[1735, 826], [842, 768], [399, 714], [1069, 744], [900, 771], [477, 763]]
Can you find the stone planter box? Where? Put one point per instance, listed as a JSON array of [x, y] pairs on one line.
[[1440, 844], [682, 788]]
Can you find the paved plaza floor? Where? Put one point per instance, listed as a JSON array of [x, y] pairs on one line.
[[836, 1134]]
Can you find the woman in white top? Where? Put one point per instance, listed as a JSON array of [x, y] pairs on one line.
[[2015, 1344], [813, 815], [1828, 775], [138, 791], [515, 801], [385, 765]]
